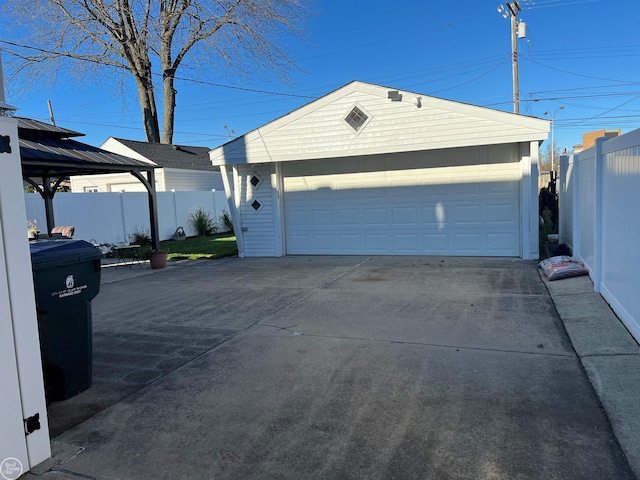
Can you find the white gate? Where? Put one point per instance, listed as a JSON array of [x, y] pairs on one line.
[[21, 385]]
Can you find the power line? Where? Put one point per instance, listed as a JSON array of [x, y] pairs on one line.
[[124, 67], [576, 74]]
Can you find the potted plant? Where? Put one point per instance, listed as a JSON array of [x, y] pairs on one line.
[[32, 229], [158, 258]]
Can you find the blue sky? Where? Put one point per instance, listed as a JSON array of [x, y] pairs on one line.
[[580, 54]]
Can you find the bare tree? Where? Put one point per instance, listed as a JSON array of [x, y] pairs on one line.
[[138, 36], [545, 158]]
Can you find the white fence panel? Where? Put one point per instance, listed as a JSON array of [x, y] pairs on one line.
[[620, 282], [113, 217], [586, 207], [567, 183], [602, 188]]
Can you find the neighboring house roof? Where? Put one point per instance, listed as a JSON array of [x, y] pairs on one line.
[[392, 121], [167, 156], [46, 150]]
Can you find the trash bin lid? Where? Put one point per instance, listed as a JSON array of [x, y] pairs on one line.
[[62, 251]]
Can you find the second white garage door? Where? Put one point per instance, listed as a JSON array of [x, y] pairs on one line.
[[401, 206]]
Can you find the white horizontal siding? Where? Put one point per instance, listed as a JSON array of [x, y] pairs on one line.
[[194, 180], [258, 228], [114, 182], [318, 130]]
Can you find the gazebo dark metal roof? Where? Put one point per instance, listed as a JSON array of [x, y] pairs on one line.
[[49, 154], [47, 150]]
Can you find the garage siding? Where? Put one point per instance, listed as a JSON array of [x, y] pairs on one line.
[[258, 226], [394, 126]]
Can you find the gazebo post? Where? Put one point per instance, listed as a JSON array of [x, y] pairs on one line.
[[150, 184], [47, 196]]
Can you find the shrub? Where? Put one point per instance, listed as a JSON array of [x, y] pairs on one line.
[[225, 219], [547, 225], [202, 223], [140, 237]]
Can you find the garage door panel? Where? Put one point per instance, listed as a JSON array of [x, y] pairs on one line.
[[406, 243], [404, 216], [349, 191], [467, 214], [377, 243], [501, 213], [468, 243], [501, 187], [436, 243], [323, 242], [500, 242], [322, 217], [350, 243], [349, 216], [299, 217], [376, 216], [438, 211]]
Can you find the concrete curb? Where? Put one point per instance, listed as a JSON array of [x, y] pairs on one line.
[[609, 355]]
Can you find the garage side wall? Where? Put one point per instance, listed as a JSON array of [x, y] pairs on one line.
[[256, 187]]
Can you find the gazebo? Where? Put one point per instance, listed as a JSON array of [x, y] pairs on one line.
[[49, 155]]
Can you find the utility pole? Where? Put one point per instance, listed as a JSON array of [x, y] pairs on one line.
[[517, 31], [53, 120]]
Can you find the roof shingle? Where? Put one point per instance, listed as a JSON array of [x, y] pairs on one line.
[[172, 156]]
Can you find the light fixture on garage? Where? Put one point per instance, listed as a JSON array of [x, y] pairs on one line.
[[417, 102]]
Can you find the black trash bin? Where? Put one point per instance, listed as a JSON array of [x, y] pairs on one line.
[[66, 277]]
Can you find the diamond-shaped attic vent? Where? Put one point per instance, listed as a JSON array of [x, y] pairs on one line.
[[356, 118], [256, 205]]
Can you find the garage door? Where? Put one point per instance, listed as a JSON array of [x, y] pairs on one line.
[[389, 207]]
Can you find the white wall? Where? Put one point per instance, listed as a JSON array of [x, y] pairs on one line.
[[112, 217], [603, 226]]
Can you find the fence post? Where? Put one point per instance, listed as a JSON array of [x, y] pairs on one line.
[[175, 206], [597, 238], [575, 173], [124, 216], [564, 168]]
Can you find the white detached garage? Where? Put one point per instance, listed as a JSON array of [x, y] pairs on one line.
[[367, 170]]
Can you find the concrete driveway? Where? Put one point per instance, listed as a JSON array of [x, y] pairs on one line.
[[334, 367]]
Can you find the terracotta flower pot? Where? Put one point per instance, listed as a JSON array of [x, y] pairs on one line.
[[158, 259]]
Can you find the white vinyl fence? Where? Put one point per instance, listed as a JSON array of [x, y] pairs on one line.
[[112, 217], [600, 219]]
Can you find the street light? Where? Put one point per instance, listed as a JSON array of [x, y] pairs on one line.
[[553, 119]]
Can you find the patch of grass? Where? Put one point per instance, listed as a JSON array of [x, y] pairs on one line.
[[194, 248]]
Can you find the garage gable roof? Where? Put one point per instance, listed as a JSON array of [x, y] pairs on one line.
[[386, 121]]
